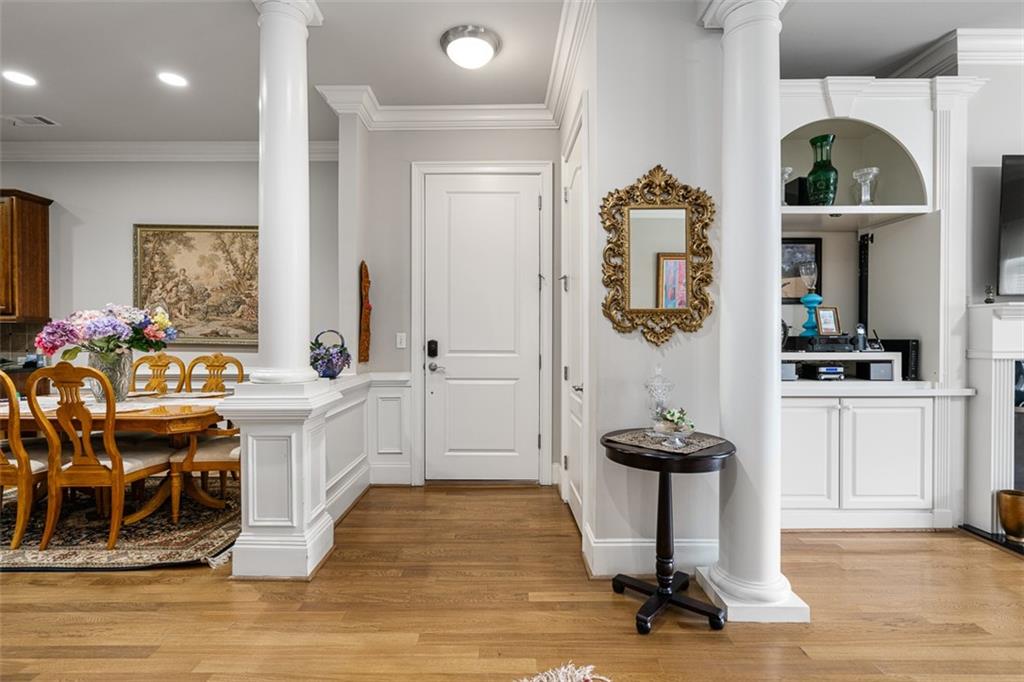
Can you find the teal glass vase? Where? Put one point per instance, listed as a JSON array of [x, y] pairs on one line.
[[811, 301], [823, 180]]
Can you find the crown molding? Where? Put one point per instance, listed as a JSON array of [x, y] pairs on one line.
[[981, 46], [243, 152], [572, 31], [361, 101]]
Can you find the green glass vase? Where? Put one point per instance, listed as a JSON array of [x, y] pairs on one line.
[[823, 180]]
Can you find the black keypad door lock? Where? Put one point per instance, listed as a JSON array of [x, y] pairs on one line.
[[432, 348]]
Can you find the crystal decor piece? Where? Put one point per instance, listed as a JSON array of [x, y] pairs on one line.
[[864, 190], [659, 388], [787, 171]]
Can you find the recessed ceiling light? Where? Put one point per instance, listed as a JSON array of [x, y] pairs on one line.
[[172, 79], [19, 78], [470, 46]]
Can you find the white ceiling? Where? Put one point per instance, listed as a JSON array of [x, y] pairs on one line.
[[874, 37], [96, 61]]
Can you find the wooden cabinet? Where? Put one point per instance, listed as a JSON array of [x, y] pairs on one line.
[[810, 453], [886, 453], [24, 257]]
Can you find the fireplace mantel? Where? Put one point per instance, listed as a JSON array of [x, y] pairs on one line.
[[995, 343]]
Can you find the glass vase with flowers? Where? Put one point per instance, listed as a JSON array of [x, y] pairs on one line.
[[109, 336]]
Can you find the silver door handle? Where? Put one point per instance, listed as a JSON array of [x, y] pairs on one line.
[[578, 388], [564, 279], [434, 367]]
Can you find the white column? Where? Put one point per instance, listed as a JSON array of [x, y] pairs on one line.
[[283, 412], [747, 579], [284, 191]]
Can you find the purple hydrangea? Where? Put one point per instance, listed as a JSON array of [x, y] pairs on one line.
[[103, 327], [55, 336]]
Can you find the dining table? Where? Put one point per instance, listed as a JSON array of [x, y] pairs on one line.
[[175, 416]]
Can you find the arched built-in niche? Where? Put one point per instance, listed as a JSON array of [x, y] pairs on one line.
[[859, 144]]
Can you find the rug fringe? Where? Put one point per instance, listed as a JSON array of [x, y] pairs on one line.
[[222, 559], [567, 673]]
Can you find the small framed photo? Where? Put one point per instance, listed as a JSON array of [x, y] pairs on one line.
[[828, 321], [671, 280]]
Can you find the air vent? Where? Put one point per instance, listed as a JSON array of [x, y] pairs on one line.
[[32, 120]]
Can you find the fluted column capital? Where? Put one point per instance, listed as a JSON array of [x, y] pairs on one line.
[[730, 14], [306, 11]]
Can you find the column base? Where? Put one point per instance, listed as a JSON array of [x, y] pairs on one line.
[[274, 375], [788, 609]]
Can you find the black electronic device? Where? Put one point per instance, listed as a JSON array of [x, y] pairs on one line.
[[432, 348], [1011, 227], [796, 192], [910, 349], [830, 344], [874, 371]]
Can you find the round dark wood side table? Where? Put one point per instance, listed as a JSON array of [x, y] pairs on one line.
[[670, 581]]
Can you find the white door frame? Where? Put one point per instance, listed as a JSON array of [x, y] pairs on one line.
[[420, 171]]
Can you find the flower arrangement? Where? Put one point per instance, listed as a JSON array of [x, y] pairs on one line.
[[329, 361], [113, 329], [677, 417]]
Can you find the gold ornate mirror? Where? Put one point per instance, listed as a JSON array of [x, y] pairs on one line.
[[657, 263]]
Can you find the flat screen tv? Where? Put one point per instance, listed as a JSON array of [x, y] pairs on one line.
[[1011, 227]]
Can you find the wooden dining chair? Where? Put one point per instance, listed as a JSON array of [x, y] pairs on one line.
[[111, 468], [23, 465], [158, 364], [215, 365], [204, 455]]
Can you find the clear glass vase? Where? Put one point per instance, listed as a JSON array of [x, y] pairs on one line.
[[118, 368]]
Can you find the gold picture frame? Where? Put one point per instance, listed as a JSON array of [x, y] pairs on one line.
[[657, 189], [827, 320], [205, 276]]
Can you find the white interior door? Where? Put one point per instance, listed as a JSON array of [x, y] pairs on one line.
[[482, 307], [573, 233]]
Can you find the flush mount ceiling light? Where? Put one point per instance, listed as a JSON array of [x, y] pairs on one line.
[[19, 78], [172, 79], [470, 46]]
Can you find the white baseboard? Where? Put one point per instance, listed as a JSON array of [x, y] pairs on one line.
[[851, 519], [391, 474], [347, 488], [283, 556], [606, 557], [792, 609]]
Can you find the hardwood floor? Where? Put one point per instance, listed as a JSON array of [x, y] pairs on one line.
[[463, 583]]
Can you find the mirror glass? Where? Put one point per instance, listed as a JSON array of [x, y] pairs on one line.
[[657, 258]]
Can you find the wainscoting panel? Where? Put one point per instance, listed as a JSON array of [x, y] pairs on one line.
[[347, 472], [390, 418]]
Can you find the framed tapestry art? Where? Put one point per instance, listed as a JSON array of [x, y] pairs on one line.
[[205, 276]]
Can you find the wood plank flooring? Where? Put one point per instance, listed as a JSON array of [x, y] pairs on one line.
[[464, 583]]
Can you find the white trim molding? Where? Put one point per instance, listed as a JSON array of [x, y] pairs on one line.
[[572, 30], [361, 100], [171, 151], [966, 46], [606, 557]]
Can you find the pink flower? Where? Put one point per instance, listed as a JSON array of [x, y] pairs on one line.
[[153, 333]]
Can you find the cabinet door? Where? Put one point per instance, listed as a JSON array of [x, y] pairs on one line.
[[810, 453], [887, 453], [6, 258]]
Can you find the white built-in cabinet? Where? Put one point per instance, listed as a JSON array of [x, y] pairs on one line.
[[845, 456]]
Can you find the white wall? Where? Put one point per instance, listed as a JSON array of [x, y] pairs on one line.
[[387, 213], [661, 73], [995, 126], [97, 203]]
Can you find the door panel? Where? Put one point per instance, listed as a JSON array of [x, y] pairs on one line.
[[573, 233], [887, 453], [810, 453], [6, 258], [482, 306]]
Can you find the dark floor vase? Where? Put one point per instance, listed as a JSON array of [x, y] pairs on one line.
[[823, 179]]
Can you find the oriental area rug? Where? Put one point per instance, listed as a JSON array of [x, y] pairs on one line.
[[80, 542]]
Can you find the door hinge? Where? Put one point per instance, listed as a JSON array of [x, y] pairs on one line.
[[538, 441], [565, 372], [565, 195], [565, 283], [540, 362], [540, 202], [565, 462]]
